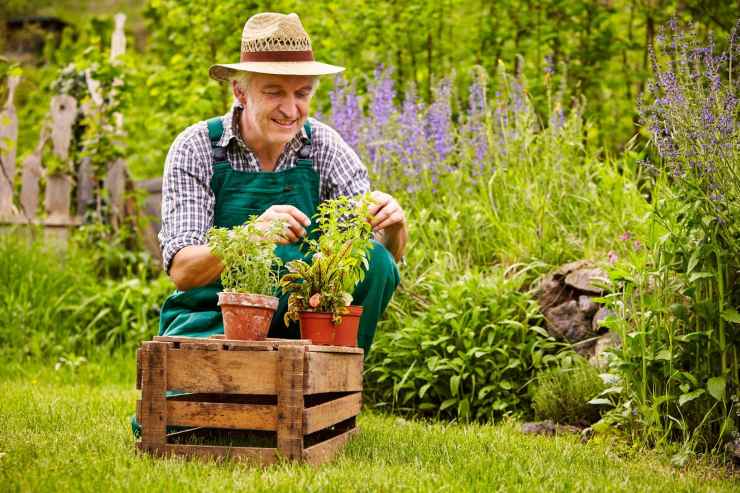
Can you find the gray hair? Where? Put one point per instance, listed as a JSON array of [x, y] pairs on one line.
[[243, 79]]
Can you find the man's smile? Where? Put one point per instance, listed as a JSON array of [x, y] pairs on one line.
[[285, 123]]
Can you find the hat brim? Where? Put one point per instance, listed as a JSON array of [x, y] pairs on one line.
[[225, 72]]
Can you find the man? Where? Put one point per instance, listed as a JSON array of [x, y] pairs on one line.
[[265, 157]]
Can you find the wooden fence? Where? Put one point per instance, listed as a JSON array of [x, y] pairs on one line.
[[46, 197]]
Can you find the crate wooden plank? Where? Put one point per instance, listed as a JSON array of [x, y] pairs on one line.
[[324, 451], [222, 371], [333, 372], [138, 369], [334, 349], [290, 378], [329, 413], [222, 415], [154, 407]]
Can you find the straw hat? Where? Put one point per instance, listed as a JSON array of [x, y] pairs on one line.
[[274, 44]]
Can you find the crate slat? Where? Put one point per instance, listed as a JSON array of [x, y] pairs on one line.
[[333, 372], [315, 348], [222, 371], [324, 451], [329, 413], [290, 376], [222, 415], [154, 383]]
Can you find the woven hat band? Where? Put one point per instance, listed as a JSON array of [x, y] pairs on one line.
[[277, 56]]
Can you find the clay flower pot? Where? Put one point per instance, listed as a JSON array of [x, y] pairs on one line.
[[319, 327], [246, 316]]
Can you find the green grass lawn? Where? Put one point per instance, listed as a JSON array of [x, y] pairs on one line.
[[68, 430]]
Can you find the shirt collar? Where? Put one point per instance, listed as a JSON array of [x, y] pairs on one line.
[[231, 130]]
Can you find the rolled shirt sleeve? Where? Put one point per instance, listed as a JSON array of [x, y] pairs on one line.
[[187, 199]]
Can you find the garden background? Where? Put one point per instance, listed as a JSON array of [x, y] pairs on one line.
[[519, 136]]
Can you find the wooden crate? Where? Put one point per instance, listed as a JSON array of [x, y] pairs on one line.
[[301, 399]]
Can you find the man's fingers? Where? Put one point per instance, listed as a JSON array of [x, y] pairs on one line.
[[292, 225], [380, 199], [294, 212], [381, 216], [394, 218]]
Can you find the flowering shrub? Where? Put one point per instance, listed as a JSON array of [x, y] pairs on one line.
[[678, 370]]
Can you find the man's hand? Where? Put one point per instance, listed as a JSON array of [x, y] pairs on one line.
[[386, 212], [389, 220], [294, 220]]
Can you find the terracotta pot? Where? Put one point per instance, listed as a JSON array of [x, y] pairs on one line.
[[247, 316], [319, 327]]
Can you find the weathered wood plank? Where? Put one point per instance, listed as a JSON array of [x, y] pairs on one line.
[[154, 384], [85, 185], [8, 150], [57, 199], [247, 454], [324, 451], [333, 372], [188, 342], [291, 364], [138, 368], [335, 349], [221, 371], [329, 413], [30, 176], [222, 415], [63, 115], [115, 183]]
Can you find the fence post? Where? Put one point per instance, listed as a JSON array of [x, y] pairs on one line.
[[8, 143]]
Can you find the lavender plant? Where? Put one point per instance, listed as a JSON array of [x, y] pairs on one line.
[[678, 312]]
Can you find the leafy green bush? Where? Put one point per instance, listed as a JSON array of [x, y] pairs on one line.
[[467, 353], [53, 304], [562, 393]]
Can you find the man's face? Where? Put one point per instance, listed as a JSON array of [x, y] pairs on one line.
[[276, 107]]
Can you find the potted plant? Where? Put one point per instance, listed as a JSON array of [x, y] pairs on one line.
[[249, 278], [320, 291]]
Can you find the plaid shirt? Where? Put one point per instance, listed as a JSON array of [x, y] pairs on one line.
[[188, 201]]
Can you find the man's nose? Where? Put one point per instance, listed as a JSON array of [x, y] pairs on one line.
[[289, 107]]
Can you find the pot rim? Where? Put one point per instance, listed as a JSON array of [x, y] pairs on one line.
[[354, 310], [248, 300]]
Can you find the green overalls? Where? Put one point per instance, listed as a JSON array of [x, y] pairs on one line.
[[240, 194]]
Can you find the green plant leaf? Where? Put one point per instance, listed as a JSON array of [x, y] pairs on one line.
[[716, 387], [731, 315], [600, 401], [688, 397], [447, 403]]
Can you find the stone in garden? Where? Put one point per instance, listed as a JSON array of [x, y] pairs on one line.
[[566, 301], [548, 427], [589, 280], [568, 321]]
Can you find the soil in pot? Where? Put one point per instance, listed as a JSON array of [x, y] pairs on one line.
[[246, 316], [320, 328]]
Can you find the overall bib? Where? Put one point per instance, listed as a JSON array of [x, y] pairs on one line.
[[240, 194]]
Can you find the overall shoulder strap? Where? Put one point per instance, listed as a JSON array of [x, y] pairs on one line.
[[215, 131], [304, 153]]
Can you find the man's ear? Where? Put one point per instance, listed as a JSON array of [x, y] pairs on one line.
[[238, 93]]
